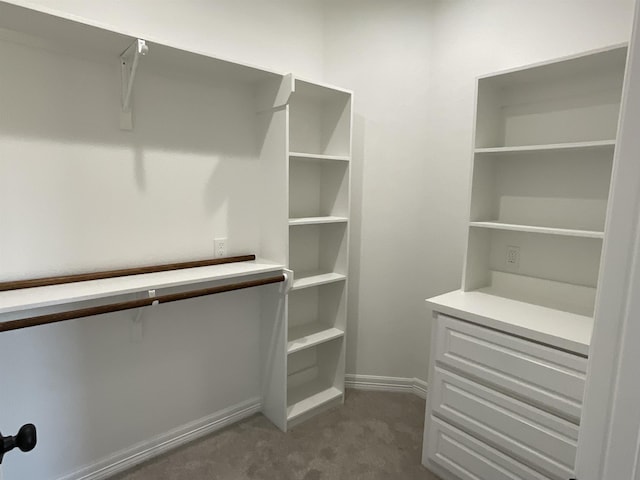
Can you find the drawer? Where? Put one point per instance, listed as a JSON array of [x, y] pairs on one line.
[[536, 438], [471, 459], [545, 376]]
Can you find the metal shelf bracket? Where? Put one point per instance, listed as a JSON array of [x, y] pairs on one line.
[[129, 65]]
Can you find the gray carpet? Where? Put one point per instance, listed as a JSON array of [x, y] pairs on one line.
[[374, 436]]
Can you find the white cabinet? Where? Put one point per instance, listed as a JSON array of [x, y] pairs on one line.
[[509, 353], [518, 397], [545, 376], [469, 458], [529, 433], [318, 186]]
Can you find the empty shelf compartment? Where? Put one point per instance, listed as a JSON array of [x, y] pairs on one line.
[[315, 378]]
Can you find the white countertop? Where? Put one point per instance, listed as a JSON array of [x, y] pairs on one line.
[[565, 330]]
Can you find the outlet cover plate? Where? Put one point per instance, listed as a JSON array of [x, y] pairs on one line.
[[512, 258]]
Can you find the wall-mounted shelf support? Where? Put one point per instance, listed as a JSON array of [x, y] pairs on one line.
[[136, 325], [275, 94], [129, 65], [288, 280]]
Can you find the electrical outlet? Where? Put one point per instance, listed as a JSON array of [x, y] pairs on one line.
[[220, 247], [513, 257]]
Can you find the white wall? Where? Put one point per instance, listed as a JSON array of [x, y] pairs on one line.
[[381, 50], [78, 194], [413, 72], [412, 66], [284, 35]]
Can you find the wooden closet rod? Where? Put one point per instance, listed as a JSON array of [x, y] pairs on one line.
[[144, 302], [82, 277]]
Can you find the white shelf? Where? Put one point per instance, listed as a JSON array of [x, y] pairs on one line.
[[554, 147], [309, 335], [312, 279], [317, 220], [91, 39], [308, 397], [567, 232], [568, 331], [314, 156], [29, 298]]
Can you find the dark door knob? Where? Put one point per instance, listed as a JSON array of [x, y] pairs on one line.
[[25, 440]]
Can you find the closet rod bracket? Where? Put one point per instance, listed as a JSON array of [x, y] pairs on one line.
[[136, 325], [128, 67]]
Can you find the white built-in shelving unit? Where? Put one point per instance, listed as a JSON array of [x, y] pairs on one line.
[[515, 337], [319, 173], [299, 134], [543, 154]]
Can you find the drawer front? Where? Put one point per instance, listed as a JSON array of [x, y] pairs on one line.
[[535, 437], [548, 377], [471, 459]]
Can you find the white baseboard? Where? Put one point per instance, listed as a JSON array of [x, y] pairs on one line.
[[419, 388], [148, 449], [386, 384], [143, 451]]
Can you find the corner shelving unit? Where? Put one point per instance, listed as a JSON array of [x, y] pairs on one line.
[[319, 176], [510, 349]]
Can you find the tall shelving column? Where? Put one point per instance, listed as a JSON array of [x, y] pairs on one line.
[[319, 155]]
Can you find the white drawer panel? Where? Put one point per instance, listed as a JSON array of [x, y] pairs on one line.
[[537, 438], [471, 459], [551, 378]]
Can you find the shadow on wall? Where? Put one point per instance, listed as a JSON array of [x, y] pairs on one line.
[[92, 196], [77, 194], [355, 247], [92, 392]]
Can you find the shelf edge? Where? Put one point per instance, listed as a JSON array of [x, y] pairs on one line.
[[314, 401], [547, 147], [337, 333], [296, 221], [566, 232], [319, 156], [311, 281]]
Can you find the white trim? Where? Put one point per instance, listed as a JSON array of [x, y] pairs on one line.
[[148, 449], [611, 411], [419, 388], [386, 384]]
